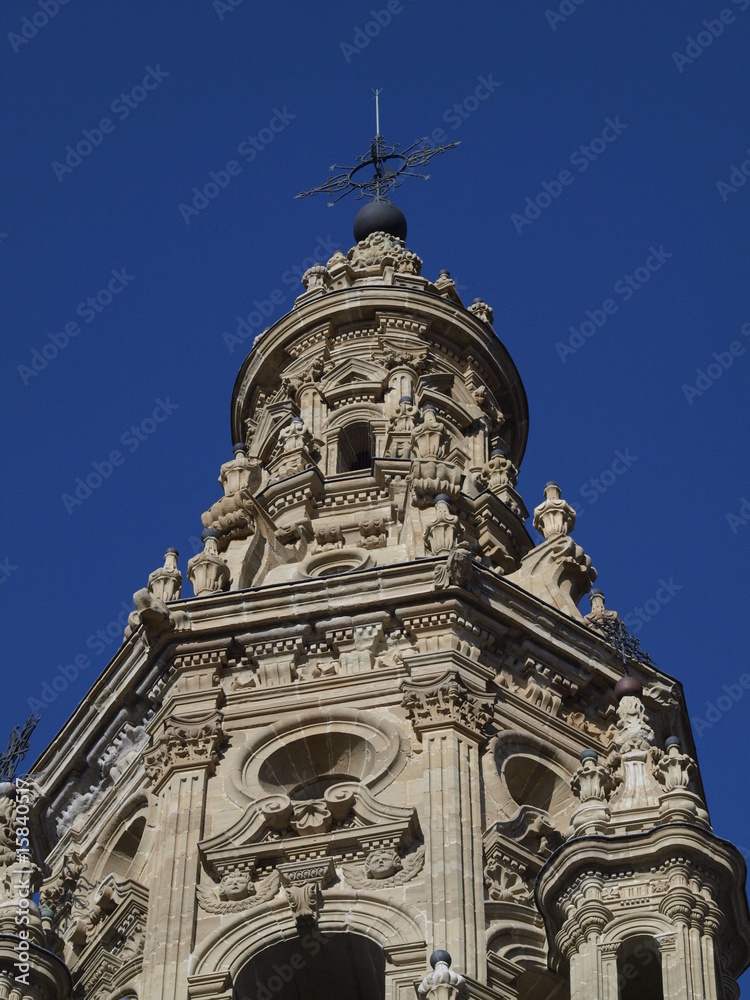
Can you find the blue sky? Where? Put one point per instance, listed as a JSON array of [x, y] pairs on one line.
[[597, 201]]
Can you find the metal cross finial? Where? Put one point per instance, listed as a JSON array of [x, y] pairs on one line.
[[17, 748], [389, 163], [617, 635]]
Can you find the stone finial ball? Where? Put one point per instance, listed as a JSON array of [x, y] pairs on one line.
[[589, 755], [209, 533], [379, 217], [439, 956], [672, 741], [628, 685]]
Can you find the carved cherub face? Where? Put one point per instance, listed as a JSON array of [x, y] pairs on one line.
[[235, 885], [382, 864]]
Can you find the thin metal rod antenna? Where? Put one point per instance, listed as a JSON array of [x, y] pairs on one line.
[[377, 94]]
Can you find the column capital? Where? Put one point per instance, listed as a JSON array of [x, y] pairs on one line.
[[183, 745], [446, 702]]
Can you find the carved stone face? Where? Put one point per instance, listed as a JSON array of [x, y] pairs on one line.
[[382, 864], [235, 885]]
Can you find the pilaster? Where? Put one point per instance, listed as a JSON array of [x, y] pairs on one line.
[[451, 722], [178, 765]]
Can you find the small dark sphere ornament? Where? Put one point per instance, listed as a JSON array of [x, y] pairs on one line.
[[628, 685], [440, 956], [379, 217]]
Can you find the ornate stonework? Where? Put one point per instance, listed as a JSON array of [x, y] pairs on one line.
[[381, 726], [447, 702], [183, 746]]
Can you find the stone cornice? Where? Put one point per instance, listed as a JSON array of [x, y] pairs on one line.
[[512, 610], [501, 609]]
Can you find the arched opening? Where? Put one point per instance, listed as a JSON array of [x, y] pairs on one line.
[[355, 447], [532, 782], [639, 970], [304, 768], [315, 966], [119, 861]]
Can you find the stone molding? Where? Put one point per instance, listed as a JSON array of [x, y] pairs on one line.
[[348, 821]]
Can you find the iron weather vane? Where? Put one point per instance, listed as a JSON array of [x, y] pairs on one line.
[[616, 633], [17, 748], [390, 163]]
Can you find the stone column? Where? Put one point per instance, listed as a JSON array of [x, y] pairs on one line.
[[451, 721], [178, 765]]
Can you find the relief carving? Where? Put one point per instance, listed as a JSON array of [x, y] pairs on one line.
[[456, 571], [505, 880], [183, 745], [237, 892], [446, 702], [384, 868]]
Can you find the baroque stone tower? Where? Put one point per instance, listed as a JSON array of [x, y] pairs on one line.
[[381, 726]]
